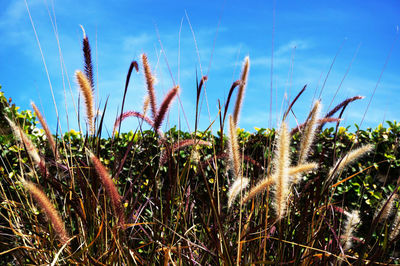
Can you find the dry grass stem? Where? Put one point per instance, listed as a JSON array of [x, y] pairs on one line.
[[150, 85], [281, 165], [309, 133], [84, 85], [242, 86], [109, 186], [46, 129], [49, 209]]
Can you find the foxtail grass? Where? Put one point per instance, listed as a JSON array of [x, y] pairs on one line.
[[294, 172], [240, 182], [281, 164], [87, 56], [348, 159], [165, 105], [109, 186], [309, 133], [48, 208], [395, 230], [86, 89], [150, 85], [46, 129], [352, 220], [385, 208], [20, 135], [242, 87]]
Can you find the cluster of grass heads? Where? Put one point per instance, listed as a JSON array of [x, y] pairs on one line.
[[150, 197]]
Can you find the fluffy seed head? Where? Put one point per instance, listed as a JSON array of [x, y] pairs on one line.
[[281, 165], [353, 219], [150, 85], [309, 133], [48, 208], [109, 186], [237, 186], [86, 89], [234, 155], [20, 135], [46, 129], [349, 158], [242, 86]]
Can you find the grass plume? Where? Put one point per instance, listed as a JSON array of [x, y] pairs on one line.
[[309, 133], [165, 107], [20, 135], [242, 86], [266, 182], [353, 219], [48, 209], [46, 129], [87, 56], [348, 159], [150, 85], [237, 186], [86, 89], [281, 165], [234, 155], [109, 187]]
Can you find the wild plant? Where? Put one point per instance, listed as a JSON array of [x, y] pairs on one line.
[[193, 198]]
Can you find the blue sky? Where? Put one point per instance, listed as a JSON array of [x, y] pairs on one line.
[[226, 32]]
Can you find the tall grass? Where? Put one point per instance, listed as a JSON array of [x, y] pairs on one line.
[[175, 198]]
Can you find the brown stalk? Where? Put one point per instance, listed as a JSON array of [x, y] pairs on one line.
[[46, 129], [49, 210], [150, 85], [109, 186], [84, 85]]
